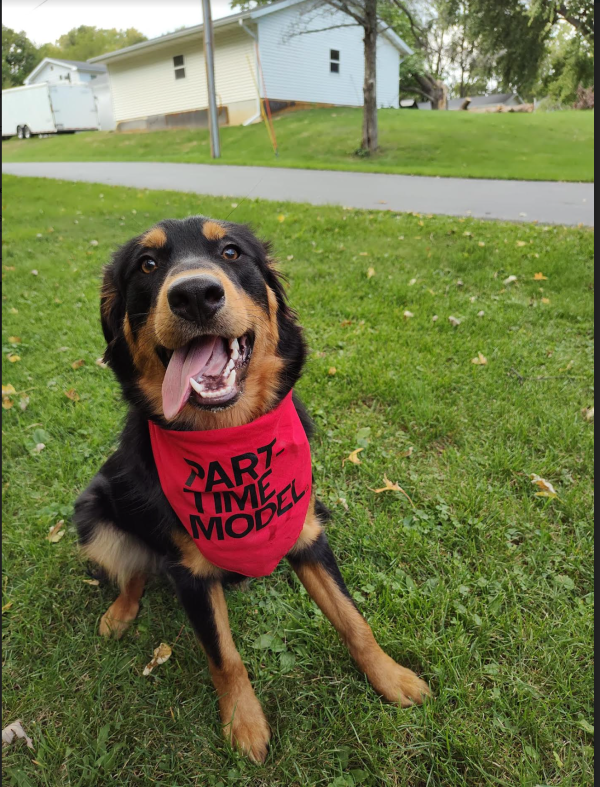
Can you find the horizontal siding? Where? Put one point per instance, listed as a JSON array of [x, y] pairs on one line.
[[296, 62], [145, 85]]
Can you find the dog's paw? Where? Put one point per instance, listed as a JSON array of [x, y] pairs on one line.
[[398, 684], [116, 620], [248, 729]]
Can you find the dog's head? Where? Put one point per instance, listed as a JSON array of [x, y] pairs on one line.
[[197, 325]]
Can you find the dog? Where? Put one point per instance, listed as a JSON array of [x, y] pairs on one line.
[[201, 338]]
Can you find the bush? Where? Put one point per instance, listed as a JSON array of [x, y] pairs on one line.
[[585, 97]]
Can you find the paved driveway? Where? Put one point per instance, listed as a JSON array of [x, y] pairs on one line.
[[552, 203]]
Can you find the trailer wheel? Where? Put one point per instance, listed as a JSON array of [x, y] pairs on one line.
[[26, 132], [19, 132]]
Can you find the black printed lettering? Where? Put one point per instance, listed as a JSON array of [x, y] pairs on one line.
[[216, 475], [258, 517], [229, 525], [295, 496], [197, 472], [239, 471], [197, 500], [268, 450], [214, 522], [280, 495], [241, 500], [262, 488]]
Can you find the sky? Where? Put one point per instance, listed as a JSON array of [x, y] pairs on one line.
[[45, 20]]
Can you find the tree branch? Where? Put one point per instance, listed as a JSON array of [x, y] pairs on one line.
[[416, 29], [340, 5]]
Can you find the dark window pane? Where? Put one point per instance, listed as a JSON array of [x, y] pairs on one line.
[[178, 61], [335, 54], [335, 67], [180, 73]]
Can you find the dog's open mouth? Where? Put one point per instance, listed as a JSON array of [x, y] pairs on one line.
[[207, 372]]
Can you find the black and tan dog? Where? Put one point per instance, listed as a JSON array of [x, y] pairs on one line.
[[179, 283]]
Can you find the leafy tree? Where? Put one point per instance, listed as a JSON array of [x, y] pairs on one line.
[[19, 57], [569, 62], [84, 42]]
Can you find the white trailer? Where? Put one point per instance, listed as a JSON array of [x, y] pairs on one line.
[[48, 109]]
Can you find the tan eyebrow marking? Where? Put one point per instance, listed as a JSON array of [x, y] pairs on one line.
[[213, 231], [155, 238]]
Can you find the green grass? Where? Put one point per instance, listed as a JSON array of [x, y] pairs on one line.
[[544, 146], [483, 587]]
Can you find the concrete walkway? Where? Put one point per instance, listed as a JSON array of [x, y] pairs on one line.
[[546, 202]]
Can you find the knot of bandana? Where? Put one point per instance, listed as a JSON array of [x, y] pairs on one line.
[[242, 493]]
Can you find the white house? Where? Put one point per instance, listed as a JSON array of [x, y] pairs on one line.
[[293, 52], [51, 69]]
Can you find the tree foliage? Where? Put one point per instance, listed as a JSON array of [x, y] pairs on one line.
[[19, 57], [84, 42]]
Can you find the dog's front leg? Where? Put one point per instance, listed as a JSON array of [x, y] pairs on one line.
[[244, 723], [314, 563]]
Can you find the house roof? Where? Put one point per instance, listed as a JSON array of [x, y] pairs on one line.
[[73, 65], [233, 19]]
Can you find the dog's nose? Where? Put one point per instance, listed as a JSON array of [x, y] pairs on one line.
[[196, 299]]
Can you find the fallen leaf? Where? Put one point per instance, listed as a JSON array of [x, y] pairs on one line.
[[353, 457], [588, 413], [345, 323], [481, 360], [460, 283], [94, 582], [546, 300], [14, 358], [343, 502], [93, 243], [540, 277], [39, 448], [407, 315], [281, 218], [78, 364], [510, 280], [72, 395], [453, 321], [7, 402], [363, 254], [521, 243], [12, 310], [481, 313], [435, 318], [481, 243], [408, 452], [7, 606], [56, 532], [24, 403], [14, 340], [161, 654], [100, 363], [412, 282], [34, 272], [15, 730], [332, 370], [390, 487], [370, 273], [547, 490], [7, 390], [468, 234], [290, 257]]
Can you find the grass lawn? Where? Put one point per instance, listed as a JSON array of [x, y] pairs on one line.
[[483, 587], [544, 146]]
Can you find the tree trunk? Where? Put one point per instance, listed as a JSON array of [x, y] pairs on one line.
[[370, 136], [434, 89]]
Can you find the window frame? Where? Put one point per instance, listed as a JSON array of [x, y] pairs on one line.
[[179, 66], [334, 61]]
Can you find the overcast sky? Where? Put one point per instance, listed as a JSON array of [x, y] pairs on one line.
[[52, 18]]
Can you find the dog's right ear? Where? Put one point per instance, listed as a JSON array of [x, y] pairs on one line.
[[112, 310]]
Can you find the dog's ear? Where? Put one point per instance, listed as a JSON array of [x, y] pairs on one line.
[[112, 307]]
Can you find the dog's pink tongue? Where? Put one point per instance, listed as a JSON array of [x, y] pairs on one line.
[[186, 362]]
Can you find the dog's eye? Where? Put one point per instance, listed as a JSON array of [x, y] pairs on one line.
[[230, 253], [148, 265]]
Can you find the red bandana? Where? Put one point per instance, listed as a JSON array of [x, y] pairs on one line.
[[242, 493]]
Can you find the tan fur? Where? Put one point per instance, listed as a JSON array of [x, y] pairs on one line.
[[192, 558], [311, 530], [119, 553], [119, 616], [213, 231], [108, 293], [155, 238], [244, 722], [395, 683]]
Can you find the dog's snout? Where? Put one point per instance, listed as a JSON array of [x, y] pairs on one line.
[[196, 299]]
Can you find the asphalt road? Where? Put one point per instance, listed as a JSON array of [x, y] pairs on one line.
[[512, 200]]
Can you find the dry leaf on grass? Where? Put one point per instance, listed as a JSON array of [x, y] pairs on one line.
[[412, 282], [547, 490], [94, 582], [481, 243], [161, 654], [353, 457], [7, 606], [454, 322], [588, 413], [481, 360], [24, 403], [14, 358], [435, 318], [331, 371], [407, 315], [408, 452], [14, 340], [72, 395], [281, 217], [370, 273], [540, 277], [510, 280], [546, 300], [481, 313], [39, 448], [391, 487], [78, 364], [14, 731], [521, 243], [56, 532]]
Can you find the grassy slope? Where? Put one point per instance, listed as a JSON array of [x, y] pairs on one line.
[[555, 146], [485, 588]]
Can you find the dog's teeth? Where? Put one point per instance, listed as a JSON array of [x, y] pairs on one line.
[[197, 387], [235, 349], [230, 365], [230, 382]]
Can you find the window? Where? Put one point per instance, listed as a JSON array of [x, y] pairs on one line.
[[178, 64], [334, 61], [93, 76]]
